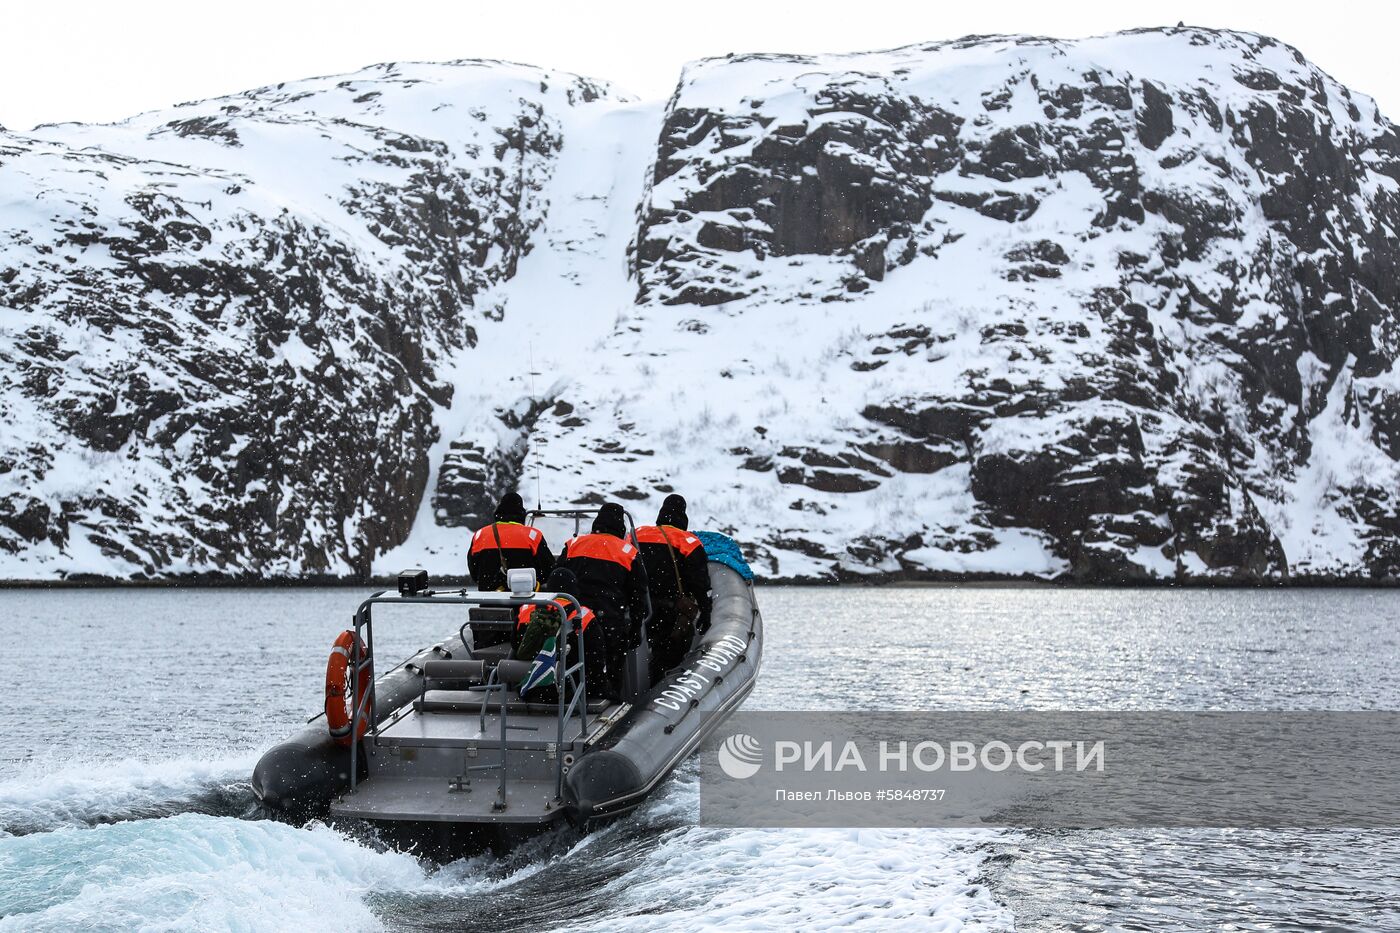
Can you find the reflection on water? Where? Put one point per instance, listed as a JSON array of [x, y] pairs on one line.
[[136, 705]]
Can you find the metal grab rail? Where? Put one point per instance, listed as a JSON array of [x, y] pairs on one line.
[[362, 658]]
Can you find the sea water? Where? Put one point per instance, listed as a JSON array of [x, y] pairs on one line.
[[133, 719]]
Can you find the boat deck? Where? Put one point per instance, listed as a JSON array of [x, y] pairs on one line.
[[437, 761], [442, 729], [437, 800]]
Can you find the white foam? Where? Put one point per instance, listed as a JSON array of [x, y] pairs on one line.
[[195, 872], [655, 870], [44, 796], [698, 878]]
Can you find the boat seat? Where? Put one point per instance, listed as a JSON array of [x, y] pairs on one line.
[[491, 653], [469, 701], [472, 672], [511, 671], [490, 626]]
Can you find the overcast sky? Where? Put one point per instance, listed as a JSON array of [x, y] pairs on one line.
[[103, 61]]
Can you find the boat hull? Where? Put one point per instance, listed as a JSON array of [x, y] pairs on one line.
[[625, 759], [677, 714]]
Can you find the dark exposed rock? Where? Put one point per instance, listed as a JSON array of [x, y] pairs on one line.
[[1154, 120], [475, 473], [1038, 260], [843, 182], [209, 127], [802, 546], [1097, 468], [1010, 206], [914, 456], [843, 471], [27, 517], [953, 421], [462, 498]]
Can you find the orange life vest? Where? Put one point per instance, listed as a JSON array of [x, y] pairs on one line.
[[602, 547], [513, 537], [682, 541]]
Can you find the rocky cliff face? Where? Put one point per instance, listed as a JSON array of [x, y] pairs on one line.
[[224, 326], [1115, 309], [1156, 314]]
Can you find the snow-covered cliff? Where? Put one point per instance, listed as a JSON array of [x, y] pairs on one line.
[[227, 331], [1118, 308]]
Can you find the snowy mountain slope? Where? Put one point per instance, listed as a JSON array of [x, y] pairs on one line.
[[558, 317], [1137, 293], [224, 324], [1119, 308]]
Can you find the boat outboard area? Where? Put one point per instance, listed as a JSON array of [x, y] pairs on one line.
[[453, 749]]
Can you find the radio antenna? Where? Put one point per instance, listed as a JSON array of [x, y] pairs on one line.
[[539, 504]]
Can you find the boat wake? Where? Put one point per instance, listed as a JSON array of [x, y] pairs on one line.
[[177, 845], [45, 797], [660, 870], [195, 871]]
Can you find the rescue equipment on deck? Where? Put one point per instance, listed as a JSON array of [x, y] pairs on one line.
[[339, 710]]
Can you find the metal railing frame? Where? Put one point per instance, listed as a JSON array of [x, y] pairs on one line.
[[362, 666]]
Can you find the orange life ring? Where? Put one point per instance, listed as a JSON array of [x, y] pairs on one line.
[[339, 709]]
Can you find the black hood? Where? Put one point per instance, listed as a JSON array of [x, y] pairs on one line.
[[561, 580], [673, 512], [511, 509], [610, 521]]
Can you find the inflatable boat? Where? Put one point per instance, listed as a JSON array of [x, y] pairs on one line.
[[448, 756]]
